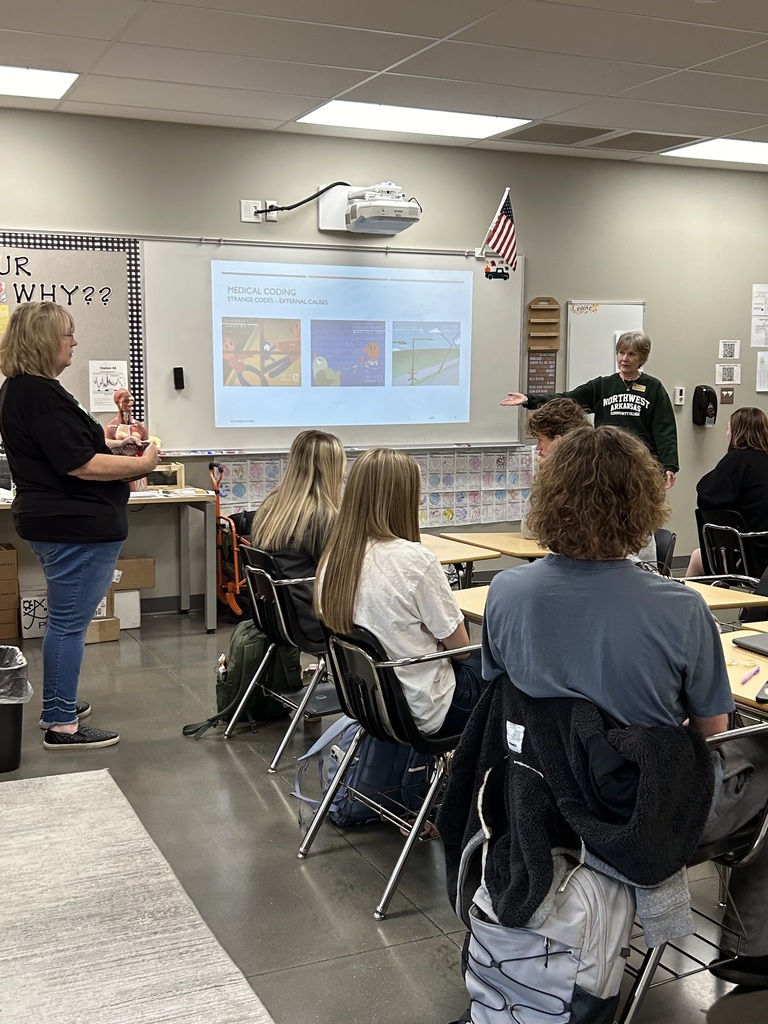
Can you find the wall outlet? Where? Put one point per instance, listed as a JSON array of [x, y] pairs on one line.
[[250, 211], [678, 396], [270, 214]]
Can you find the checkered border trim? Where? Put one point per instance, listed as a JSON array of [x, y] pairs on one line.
[[96, 243]]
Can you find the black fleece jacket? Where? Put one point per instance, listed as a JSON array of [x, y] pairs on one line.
[[643, 816]]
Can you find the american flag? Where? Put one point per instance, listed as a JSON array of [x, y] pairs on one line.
[[501, 234]]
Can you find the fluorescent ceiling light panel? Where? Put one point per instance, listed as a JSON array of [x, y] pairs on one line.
[[413, 120], [46, 85], [737, 151]]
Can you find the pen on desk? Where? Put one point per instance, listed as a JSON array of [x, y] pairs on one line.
[[752, 672]]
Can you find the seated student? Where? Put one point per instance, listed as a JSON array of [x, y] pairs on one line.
[[739, 482], [295, 521], [583, 622], [548, 424], [376, 574]]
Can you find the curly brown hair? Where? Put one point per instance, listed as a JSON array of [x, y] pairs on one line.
[[557, 418], [599, 495]]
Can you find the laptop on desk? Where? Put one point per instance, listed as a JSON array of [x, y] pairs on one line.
[[757, 643]]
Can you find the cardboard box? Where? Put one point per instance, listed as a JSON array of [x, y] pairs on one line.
[[9, 623], [34, 613], [106, 608], [9, 594], [136, 572], [128, 608], [168, 476], [9, 562], [100, 630]]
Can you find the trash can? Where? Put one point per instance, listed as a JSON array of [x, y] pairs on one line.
[[15, 691]]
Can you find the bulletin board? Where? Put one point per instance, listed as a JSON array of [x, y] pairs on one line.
[[97, 280], [592, 330]]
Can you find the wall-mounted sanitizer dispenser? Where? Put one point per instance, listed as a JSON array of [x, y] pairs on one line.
[[704, 406]]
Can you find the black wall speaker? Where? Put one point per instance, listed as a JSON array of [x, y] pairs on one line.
[[178, 378]]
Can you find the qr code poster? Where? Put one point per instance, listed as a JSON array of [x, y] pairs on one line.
[[727, 373], [728, 349]]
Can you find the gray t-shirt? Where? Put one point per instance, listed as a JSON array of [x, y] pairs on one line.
[[643, 648]]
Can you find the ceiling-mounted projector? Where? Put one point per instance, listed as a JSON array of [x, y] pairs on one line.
[[374, 209], [380, 209]]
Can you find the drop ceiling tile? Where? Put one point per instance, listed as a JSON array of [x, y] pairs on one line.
[[753, 135], [697, 89], [171, 117], [644, 142], [164, 64], [751, 63], [467, 97], [55, 53], [92, 19], [426, 17], [659, 117], [743, 14], [292, 128], [214, 32], [500, 65], [554, 134], [613, 36], [195, 99]]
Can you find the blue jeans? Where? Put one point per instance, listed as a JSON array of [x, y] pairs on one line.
[[77, 577], [469, 685]]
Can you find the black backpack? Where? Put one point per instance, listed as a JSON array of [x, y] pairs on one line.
[[236, 668]]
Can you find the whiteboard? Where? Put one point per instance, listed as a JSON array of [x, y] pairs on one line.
[[592, 330], [179, 331]]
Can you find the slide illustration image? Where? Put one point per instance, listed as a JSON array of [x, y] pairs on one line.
[[260, 352], [347, 353], [426, 353]]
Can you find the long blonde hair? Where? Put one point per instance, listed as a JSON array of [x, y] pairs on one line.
[[381, 502], [299, 514], [32, 341]]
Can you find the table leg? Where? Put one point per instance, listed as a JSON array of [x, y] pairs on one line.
[[184, 587], [209, 511]]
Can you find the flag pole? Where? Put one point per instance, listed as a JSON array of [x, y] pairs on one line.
[[495, 216]]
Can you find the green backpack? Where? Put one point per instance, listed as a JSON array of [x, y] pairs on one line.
[[247, 647]]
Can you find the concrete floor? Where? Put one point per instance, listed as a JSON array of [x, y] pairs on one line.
[[302, 932]]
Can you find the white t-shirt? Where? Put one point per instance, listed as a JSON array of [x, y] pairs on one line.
[[404, 599]]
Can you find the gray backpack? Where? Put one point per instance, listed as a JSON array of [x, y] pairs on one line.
[[565, 970]]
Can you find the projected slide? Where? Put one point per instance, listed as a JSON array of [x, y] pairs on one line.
[[312, 345]]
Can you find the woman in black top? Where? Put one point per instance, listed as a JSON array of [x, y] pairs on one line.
[[70, 504], [294, 522], [740, 482]]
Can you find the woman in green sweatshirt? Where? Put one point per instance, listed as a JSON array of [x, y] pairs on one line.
[[630, 399]]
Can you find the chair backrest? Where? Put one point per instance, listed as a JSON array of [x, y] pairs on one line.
[[372, 694], [716, 517], [727, 550], [665, 550], [272, 606]]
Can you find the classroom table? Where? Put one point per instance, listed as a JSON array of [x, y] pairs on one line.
[[459, 554], [189, 497], [720, 598], [472, 602], [509, 543], [739, 664]]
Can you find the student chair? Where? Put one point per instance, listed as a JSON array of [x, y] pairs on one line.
[[370, 692], [740, 848], [275, 615], [727, 546], [665, 550]]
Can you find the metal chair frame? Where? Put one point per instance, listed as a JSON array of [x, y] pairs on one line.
[[665, 550], [729, 554], [274, 616], [737, 850], [377, 701]]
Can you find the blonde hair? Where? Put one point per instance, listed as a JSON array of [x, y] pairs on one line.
[[32, 341], [381, 502], [599, 495], [299, 514], [749, 429], [638, 341]]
